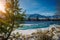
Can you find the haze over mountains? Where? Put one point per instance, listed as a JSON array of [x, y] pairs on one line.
[[40, 16]]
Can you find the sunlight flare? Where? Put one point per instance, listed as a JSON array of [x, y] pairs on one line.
[[2, 5]]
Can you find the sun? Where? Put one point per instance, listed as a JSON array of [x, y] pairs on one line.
[[2, 7]]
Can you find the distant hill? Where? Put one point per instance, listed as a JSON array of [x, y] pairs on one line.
[[54, 16], [37, 15], [41, 16]]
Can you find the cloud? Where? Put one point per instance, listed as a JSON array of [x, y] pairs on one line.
[[43, 12], [47, 13], [40, 7]]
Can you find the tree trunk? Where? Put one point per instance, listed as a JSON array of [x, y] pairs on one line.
[[10, 31]]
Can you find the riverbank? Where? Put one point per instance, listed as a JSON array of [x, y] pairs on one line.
[[49, 33], [29, 31]]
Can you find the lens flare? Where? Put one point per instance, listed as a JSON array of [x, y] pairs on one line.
[[2, 5]]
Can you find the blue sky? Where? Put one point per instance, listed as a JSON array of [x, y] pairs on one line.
[[43, 7]]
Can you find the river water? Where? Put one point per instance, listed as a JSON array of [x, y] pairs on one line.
[[38, 24]]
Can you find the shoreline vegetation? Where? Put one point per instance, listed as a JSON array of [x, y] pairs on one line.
[[38, 17], [56, 19], [50, 33]]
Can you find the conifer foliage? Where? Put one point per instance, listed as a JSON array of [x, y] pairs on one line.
[[12, 17]]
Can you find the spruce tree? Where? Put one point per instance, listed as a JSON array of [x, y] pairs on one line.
[[12, 15]]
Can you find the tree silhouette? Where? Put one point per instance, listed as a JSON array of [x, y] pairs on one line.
[[12, 15]]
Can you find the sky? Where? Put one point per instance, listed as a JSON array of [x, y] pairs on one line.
[[42, 7]]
